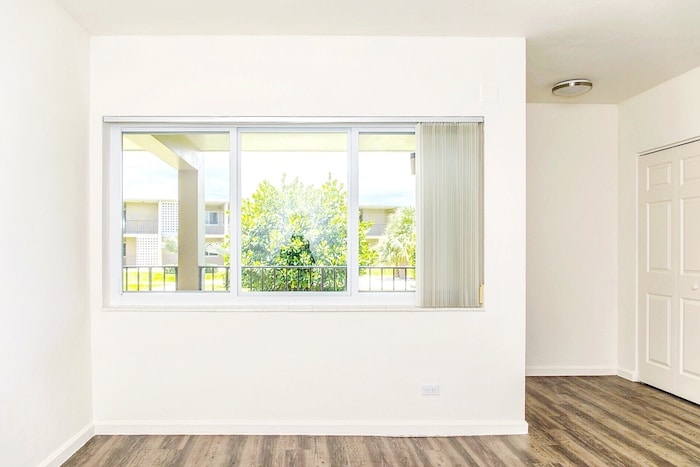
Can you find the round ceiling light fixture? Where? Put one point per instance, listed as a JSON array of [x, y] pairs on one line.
[[572, 87]]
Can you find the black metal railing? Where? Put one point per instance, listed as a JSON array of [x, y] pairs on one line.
[[294, 278], [387, 279], [214, 278], [149, 278]]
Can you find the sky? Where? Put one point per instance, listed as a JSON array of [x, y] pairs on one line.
[[385, 177]]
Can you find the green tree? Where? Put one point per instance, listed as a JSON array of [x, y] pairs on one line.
[[278, 222], [297, 252], [397, 246], [368, 255], [169, 244]]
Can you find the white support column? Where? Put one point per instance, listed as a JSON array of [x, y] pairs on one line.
[[191, 228]]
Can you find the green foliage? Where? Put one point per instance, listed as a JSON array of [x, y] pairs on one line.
[[300, 226], [368, 255], [398, 244], [297, 252], [169, 244], [273, 216]]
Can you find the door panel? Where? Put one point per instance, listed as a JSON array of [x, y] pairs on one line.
[[659, 234], [690, 246], [690, 354], [688, 378], [669, 270], [690, 168], [659, 176], [659, 330]]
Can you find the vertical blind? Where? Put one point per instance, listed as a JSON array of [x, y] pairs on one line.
[[449, 219]]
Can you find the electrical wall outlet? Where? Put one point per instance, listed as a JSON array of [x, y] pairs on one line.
[[429, 389]]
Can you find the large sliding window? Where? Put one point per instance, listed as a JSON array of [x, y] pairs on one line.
[[279, 215], [293, 211]]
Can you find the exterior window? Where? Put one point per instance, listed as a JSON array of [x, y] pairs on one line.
[[167, 180], [293, 221], [326, 214], [211, 218], [387, 204]]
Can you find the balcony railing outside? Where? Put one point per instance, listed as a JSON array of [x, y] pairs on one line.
[[294, 278], [214, 229], [140, 227], [214, 278], [149, 278], [387, 279]]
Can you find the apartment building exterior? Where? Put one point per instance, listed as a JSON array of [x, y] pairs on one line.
[[150, 232]]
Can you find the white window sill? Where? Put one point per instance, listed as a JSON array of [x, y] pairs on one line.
[[286, 308]]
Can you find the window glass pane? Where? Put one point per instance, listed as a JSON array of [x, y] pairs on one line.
[[211, 218], [293, 212], [387, 200], [175, 225]]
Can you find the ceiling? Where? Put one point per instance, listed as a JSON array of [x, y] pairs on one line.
[[624, 46]]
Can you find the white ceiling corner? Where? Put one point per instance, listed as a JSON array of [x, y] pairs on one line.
[[623, 46]]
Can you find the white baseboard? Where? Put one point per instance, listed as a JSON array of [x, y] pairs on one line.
[[628, 374], [354, 428], [569, 371], [67, 449]]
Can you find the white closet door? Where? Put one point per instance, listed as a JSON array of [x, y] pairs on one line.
[[669, 270], [689, 272], [656, 270]]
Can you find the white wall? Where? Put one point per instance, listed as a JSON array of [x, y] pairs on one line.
[[45, 391], [331, 371], [571, 239], [666, 114]]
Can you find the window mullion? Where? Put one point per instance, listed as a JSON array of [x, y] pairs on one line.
[[235, 212], [353, 212]]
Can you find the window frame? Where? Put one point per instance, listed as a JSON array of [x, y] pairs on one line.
[[114, 297], [235, 221], [206, 217]]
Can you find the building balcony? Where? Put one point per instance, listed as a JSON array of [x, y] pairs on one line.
[[214, 229], [135, 227]]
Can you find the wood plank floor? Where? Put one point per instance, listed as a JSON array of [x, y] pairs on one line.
[[581, 421]]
